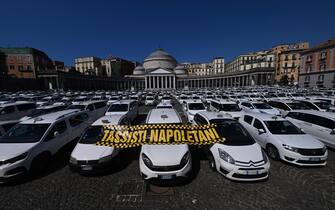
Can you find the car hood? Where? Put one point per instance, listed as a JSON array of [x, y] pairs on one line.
[[234, 114], [269, 111], [193, 112], [300, 141], [24, 118], [165, 155], [243, 153], [116, 113], [91, 151], [10, 150]]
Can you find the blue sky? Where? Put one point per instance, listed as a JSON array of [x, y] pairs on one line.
[[192, 31]]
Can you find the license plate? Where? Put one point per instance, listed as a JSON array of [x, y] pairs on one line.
[[166, 176], [314, 159], [86, 167], [251, 172]]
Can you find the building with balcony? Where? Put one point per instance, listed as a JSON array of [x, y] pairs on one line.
[[117, 67], [203, 69], [317, 66], [287, 62], [89, 66], [24, 62]]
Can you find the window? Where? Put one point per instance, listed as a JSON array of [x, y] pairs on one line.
[[282, 127], [24, 107], [258, 124], [8, 126], [99, 105], [20, 68], [247, 105], [78, 119], [11, 67], [7, 110], [60, 127], [247, 119], [321, 121], [90, 107], [200, 120]]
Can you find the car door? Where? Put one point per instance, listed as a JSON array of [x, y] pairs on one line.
[[262, 138], [323, 129], [57, 137], [78, 123], [91, 113], [8, 113]]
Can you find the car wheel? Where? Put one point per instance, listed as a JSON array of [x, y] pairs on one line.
[[40, 162], [211, 161], [272, 152]]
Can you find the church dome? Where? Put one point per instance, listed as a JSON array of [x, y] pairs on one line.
[[139, 70], [159, 59], [180, 69]]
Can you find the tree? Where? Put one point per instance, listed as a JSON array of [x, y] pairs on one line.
[[284, 80]]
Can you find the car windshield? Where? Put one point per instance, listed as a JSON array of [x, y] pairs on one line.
[[166, 98], [118, 108], [37, 112], [233, 132], [79, 99], [296, 105], [322, 105], [92, 135], [262, 106], [25, 133], [282, 127], [230, 108], [196, 106], [150, 98], [81, 107], [164, 107]]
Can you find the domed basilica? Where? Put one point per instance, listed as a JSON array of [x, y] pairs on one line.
[[160, 71]]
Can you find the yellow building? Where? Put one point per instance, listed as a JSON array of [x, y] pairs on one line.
[[287, 62]]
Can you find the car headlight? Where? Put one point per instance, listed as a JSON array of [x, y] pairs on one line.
[[105, 159], [226, 157], [146, 160], [15, 159], [293, 149], [265, 157], [324, 148], [73, 160], [185, 158]]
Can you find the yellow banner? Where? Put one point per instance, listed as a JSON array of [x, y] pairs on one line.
[[123, 136]]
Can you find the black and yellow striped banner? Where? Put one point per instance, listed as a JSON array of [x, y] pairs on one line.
[[124, 136]]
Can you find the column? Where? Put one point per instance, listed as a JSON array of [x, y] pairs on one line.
[[165, 83]]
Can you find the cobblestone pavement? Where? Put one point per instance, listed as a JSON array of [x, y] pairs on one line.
[[288, 187]]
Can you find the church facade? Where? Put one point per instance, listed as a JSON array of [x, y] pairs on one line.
[[161, 71]]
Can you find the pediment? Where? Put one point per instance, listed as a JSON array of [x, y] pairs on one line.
[[160, 71]]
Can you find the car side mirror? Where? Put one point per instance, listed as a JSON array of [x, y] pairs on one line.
[[332, 132], [56, 133], [261, 131], [3, 112]]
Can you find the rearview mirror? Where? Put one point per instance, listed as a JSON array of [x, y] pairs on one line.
[[261, 131]]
